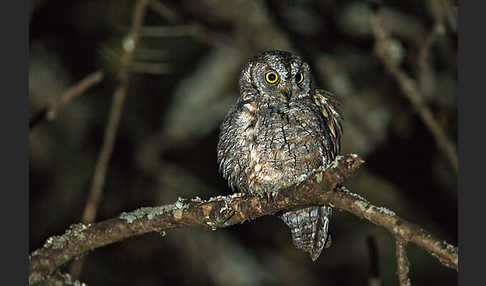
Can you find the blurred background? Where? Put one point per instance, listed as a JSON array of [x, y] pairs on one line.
[[182, 81]]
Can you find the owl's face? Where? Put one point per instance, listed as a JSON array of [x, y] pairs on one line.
[[275, 76]]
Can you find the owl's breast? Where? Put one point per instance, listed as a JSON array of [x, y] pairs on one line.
[[289, 144], [271, 147]]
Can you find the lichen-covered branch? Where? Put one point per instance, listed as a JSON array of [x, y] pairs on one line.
[[402, 262], [446, 253], [61, 279], [223, 211], [216, 212]]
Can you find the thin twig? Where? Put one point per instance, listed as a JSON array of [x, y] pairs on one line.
[[424, 49], [164, 12], [168, 31], [79, 88], [223, 211], [119, 96], [197, 30], [89, 213], [410, 90], [96, 190], [402, 262]]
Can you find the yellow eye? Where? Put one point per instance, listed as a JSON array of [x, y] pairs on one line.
[[299, 78], [271, 77]]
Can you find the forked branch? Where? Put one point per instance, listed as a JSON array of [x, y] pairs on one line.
[[320, 188]]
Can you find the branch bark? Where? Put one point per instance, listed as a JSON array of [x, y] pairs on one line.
[[222, 211], [402, 262], [446, 253], [61, 279]]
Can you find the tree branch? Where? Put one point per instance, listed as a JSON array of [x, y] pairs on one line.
[[446, 253], [118, 100], [223, 211], [439, 14], [384, 52], [402, 261], [61, 279], [194, 29], [79, 88]]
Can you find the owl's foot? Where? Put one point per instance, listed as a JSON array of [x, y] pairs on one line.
[[270, 197], [328, 241]]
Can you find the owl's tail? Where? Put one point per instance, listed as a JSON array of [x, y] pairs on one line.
[[309, 228]]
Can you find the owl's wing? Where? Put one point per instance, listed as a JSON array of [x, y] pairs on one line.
[[329, 106], [235, 129]]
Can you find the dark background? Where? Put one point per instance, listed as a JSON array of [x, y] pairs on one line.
[[183, 81]]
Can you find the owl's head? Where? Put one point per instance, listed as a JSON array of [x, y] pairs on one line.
[[275, 76]]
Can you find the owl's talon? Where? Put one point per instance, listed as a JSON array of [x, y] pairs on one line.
[[260, 195], [328, 241], [269, 197]]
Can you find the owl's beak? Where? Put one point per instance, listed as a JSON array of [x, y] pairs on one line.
[[286, 92]]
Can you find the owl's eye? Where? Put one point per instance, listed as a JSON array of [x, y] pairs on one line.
[[271, 77], [299, 78]]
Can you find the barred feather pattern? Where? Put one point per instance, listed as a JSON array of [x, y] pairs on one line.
[[309, 228]]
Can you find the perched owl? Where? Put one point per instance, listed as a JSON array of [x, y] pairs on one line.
[[279, 132]]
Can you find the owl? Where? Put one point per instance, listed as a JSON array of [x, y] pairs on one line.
[[279, 132]]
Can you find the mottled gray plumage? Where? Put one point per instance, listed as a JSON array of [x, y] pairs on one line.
[[280, 131]]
